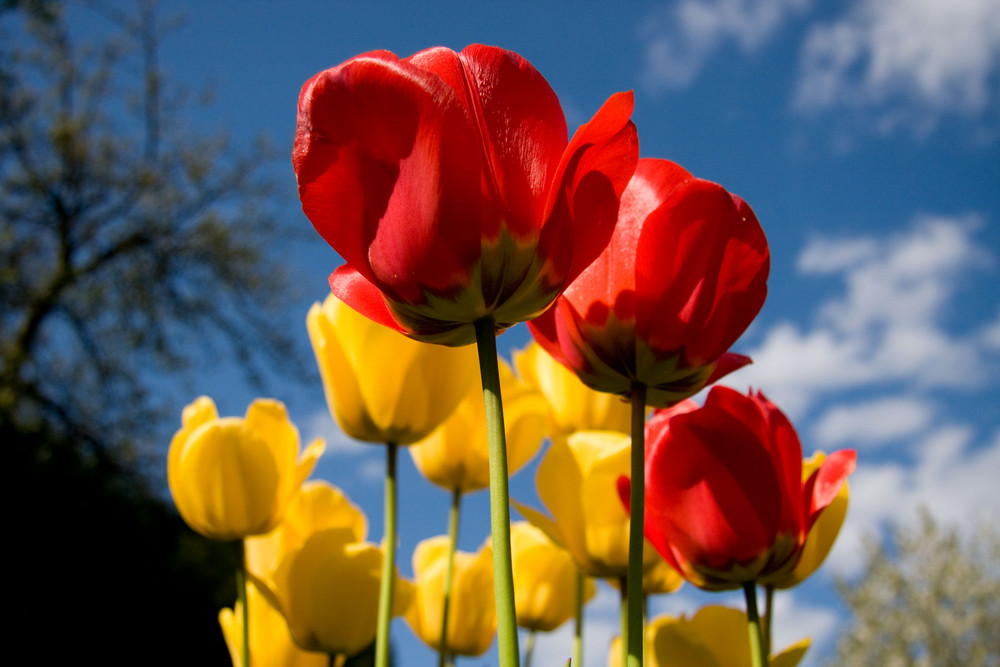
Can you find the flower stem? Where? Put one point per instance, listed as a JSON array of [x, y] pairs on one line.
[[456, 499], [578, 630], [529, 648], [637, 517], [242, 598], [387, 585], [503, 573], [757, 655]]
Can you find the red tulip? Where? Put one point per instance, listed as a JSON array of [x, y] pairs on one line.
[[683, 276], [725, 500], [446, 183]]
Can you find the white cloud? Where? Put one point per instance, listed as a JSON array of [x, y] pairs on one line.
[[873, 423], [889, 323], [796, 619], [683, 36], [904, 63]]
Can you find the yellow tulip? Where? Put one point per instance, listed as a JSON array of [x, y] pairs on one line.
[[231, 477], [380, 385], [574, 405], [328, 590], [823, 533], [472, 619], [456, 456], [544, 579], [270, 642], [318, 506], [714, 637], [577, 481]]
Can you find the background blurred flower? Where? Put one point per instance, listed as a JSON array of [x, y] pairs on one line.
[[683, 276], [726, 502], [381, 386], [714, 637], [472, 619], [231, 477], [574, 405], [545, 579], [456, 455], [328, 590], [446, 183]]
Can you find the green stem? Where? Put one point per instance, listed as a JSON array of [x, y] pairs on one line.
[[757, 655], [637, 518], [388, 583], [243, 599], [768, 611], [503, 572], [456, 499], [578, 629], [529, 648]]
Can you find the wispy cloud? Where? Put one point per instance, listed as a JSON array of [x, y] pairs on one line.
[[682, 37], [904, 64], [888, 327]]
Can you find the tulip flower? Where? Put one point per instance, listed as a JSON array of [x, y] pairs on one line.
[[270, 642], [544, 579], [456, 455], [231, 477], [577, 482], [574, 405], [714, 637], [683, 276], [381, 386], [328, 590], [472, 622], [446, 182], [726, 501]]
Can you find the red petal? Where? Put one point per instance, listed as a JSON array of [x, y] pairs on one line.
[[594, 172], [711, 489], [385, 173], [353, 289], [702, 262], [728, 363], [824, 484]]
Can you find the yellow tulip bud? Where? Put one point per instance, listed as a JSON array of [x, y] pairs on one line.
[[329, 591], [574, 405], [270, 642], [577, 481], [472, 619], [231, 477], [456, 456], [823, 533], [545, 579], [380, 385], [714, 637]]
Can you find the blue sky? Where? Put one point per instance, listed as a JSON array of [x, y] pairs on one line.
[[866, 136]]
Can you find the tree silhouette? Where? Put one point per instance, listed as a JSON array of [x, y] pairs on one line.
[[130, 246]]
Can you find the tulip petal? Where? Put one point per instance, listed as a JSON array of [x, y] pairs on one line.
[[372, 159], [825, 483], [351, 287]]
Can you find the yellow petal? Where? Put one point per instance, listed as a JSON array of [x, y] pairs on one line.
[[574, 406]]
